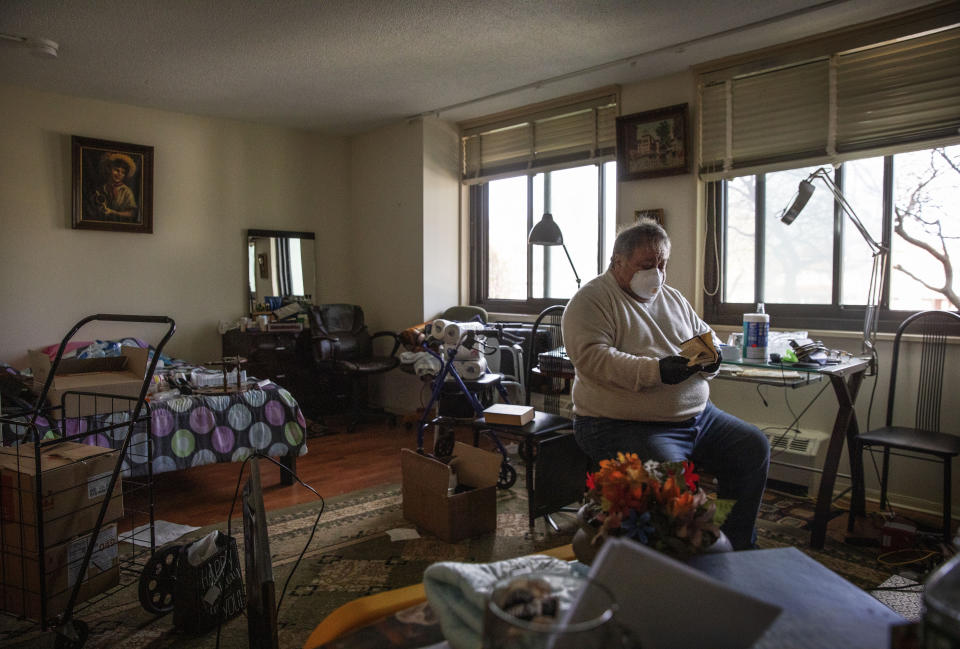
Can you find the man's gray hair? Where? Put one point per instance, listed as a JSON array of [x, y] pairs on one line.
[[645, 233]]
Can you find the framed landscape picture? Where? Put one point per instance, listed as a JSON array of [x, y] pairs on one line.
[[112, 185], [653, 143]]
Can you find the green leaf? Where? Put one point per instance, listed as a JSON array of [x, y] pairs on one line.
[[723, 510]]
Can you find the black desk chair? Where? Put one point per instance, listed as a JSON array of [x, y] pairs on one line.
[[343, 346], [924, 437], [549, 370]]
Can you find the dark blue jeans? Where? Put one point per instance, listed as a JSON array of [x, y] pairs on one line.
[[730, 449]]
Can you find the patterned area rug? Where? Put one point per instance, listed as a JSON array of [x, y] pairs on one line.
[[363, 546]]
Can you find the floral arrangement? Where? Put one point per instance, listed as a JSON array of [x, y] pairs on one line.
[[659, 504]]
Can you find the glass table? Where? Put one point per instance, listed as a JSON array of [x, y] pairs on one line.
[[846, 378]]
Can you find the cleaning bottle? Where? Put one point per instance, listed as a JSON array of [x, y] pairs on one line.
[[756, 330]]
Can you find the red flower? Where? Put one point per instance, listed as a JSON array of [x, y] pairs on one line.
[[689, 476]]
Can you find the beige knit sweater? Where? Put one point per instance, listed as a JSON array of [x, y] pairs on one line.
[[616, 342]]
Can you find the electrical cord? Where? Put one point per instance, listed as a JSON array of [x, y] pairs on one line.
[[313, 530], [927, 554], [793, 424], [713, 212], [760, 394]]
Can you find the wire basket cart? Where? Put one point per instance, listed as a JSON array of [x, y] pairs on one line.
[[58, 543]]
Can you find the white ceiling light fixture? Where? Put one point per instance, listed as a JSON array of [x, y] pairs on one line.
[[42, 47]]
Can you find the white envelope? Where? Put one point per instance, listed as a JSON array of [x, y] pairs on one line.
[[666, 604]]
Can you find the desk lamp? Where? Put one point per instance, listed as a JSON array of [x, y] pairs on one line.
[[547, 233], [871, 313]]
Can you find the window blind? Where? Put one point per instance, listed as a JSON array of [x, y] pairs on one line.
[[903, 91], [571, 130], [831, 107]]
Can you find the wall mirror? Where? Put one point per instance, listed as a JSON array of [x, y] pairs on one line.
[[280, 263]]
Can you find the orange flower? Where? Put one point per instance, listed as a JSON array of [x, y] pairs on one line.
[[658, 503]]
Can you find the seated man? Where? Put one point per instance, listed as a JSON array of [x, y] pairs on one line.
[[633, 393]]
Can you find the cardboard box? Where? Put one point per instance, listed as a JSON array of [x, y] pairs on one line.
[[74, 481], [62, 566], [116, 376], [429, 502]]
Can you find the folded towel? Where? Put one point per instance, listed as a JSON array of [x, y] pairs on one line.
[[458, 593]]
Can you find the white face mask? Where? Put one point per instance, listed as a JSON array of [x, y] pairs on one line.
[[646, 283]]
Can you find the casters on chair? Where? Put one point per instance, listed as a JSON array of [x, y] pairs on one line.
[[508, 475]]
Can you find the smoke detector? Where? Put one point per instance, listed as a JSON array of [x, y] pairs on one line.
[[42, 47]]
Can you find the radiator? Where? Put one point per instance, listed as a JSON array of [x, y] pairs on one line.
[[805, 449], [558, 404]]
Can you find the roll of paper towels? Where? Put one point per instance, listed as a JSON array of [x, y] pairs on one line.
[[455, 331], [437, 327], [465, 353], [471, 369]]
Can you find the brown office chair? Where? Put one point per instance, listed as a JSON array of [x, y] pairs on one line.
[[924, 437], [343, 346]]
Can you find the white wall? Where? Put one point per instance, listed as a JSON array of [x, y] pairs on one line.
[[441, 191], [676, 195], [213, 179], [405, 191], [386, 224]]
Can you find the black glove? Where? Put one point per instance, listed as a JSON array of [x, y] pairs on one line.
[[713, 367], [674, 369]]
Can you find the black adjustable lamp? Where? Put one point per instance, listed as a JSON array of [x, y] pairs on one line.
[[547, 233], [872, 311]]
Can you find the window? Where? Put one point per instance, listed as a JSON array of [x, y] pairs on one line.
[[815, 272], [878, 101], [557, 157], [509, 275]]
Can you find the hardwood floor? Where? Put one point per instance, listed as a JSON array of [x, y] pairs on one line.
[[335, 464]]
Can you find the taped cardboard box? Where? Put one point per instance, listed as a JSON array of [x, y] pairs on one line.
[[113, 375], [74, 482], [62, 566], [430, 502]]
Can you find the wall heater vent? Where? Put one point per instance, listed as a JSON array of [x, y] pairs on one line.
[[805, 450]]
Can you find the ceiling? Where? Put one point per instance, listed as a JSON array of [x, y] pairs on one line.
[[347, 66]]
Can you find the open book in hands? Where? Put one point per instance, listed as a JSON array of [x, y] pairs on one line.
[[700, 350]]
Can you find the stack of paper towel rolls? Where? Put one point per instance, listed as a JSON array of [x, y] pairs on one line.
[[454, 331], [471, 369], [437, 327]]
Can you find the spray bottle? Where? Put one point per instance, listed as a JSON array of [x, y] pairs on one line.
[[756, 330]]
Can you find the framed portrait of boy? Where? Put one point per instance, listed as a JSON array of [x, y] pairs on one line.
[[112, 185], [653, 143]]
